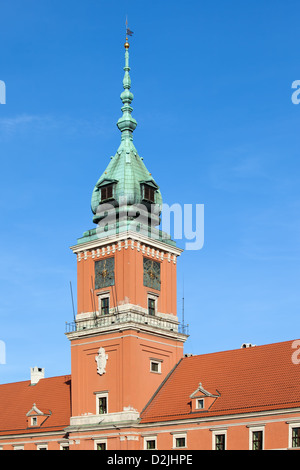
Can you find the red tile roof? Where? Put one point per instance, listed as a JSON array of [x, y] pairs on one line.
[[50, 395], [253, 379]]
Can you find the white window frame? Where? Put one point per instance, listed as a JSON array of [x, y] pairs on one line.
[[218, 432], [150, 438], [103, 295], [179, 436], [64, 444], [34, 418], [98, 396], [18, 447], [253, 429], [197, 404], [39, 446], [291, 426], [152, 296], [100, 441], [158, 362]]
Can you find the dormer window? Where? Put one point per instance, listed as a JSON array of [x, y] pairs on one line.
[[201, 399], [149, 193], [106, 192], [149, 189], [36, 417], [106, 188]]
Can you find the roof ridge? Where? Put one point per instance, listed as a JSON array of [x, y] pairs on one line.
[[239, 349], [69, 376]]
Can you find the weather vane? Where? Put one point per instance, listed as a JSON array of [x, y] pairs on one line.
[[128, 31]]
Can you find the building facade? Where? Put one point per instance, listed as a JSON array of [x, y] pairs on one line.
[[131, 385]]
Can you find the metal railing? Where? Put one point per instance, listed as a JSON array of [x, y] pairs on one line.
[[105, 321]]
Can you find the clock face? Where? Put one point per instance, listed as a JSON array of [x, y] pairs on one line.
[[151, 273], [104, 273]]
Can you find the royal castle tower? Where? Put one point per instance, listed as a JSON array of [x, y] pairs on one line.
[[126, 337]]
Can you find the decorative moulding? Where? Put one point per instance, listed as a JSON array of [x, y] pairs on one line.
[[34, 411], [154, 248]]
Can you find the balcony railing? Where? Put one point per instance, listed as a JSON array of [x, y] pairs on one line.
[[105, 321]]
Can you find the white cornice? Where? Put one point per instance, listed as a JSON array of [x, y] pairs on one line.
[[29, 436], [145, 428], [179, 426], [96, 340], [139, 241], [208, 419]]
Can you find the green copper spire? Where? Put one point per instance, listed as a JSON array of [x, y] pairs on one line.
[[126, 123], [126, 180]]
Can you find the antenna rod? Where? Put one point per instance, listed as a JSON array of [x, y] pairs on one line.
[[183, 304], [93, 298], [72, 301], [115, 288]]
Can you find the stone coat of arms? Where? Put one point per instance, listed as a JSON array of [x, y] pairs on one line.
[[101, 360]]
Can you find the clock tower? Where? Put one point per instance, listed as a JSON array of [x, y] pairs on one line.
[[126, 336]]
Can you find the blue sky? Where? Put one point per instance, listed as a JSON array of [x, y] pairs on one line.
[[216, 126]]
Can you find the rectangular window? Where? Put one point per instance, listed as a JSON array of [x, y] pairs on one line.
[[107, 192], [200, 404], [220, 442], [100, 445], [150, 444], [257, 440], [64, 447], [151, 306], [149, 193], [179, 442], [155, 366], [104, 305], [34, 421], [219, 438], [296, 437], [102, 405]]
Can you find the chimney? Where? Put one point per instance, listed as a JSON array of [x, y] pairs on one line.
[[247, 345], [36, 374]]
